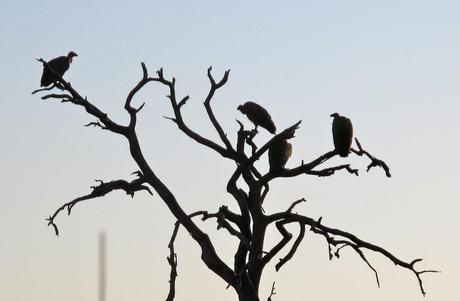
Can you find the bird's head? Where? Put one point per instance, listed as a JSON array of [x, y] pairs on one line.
[[241, 108], [71, 55], [335, 115]]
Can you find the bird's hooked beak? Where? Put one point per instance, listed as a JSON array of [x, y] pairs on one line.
[[335, 115], [72, 54], [240, 108]]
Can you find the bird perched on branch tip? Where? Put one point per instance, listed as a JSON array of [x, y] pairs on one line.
[[60, 65], [342, 132], [258, 115], [278, 154]]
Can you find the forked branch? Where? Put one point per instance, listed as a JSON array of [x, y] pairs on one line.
[[207, 105], [227, 151]]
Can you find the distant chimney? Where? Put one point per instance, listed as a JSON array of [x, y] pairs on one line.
[[102, 267]]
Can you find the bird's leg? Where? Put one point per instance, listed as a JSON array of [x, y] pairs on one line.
[[59, 86]]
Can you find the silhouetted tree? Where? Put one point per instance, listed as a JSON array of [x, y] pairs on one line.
[[250, 223]]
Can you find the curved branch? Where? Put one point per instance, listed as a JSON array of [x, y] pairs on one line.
[[101, 190], [295, 203], [280, 245], [374, 161], [293, 249], [207, 104], [46, 88], [128, 107]]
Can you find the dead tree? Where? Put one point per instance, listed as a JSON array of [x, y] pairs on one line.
[[250, 223]]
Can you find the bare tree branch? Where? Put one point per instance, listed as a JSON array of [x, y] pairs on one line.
[[128, 107], [272, 292], [46, 88], [374, 161], [280, 245], [207, 104], [172, 261], [64, 97], [293, 249], [100, 190], [96, 124], [302, 200], [353, 241], [227, 153], [302, 169], [77, 99], [331, 170], [308, 168]]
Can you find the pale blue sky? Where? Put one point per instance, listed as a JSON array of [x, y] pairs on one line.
[[391, 66]]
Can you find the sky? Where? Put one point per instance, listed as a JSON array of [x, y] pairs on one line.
[[390, 66]]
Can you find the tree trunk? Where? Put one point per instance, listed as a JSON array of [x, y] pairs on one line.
[[247, 295], [247, 292]]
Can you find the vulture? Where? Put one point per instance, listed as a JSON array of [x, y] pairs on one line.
[[342, 132], [258, 115], [60, 65], [278, 154]]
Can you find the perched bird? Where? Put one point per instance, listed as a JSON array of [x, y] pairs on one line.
[[342, 132], [60, 65], [278, 154], [258, 115]]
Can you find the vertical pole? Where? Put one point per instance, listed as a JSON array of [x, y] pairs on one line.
[[102, 266]]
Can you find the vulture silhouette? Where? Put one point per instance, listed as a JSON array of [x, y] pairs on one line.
[[258, 115], [60, 65], [342, 132], [278, 154]]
